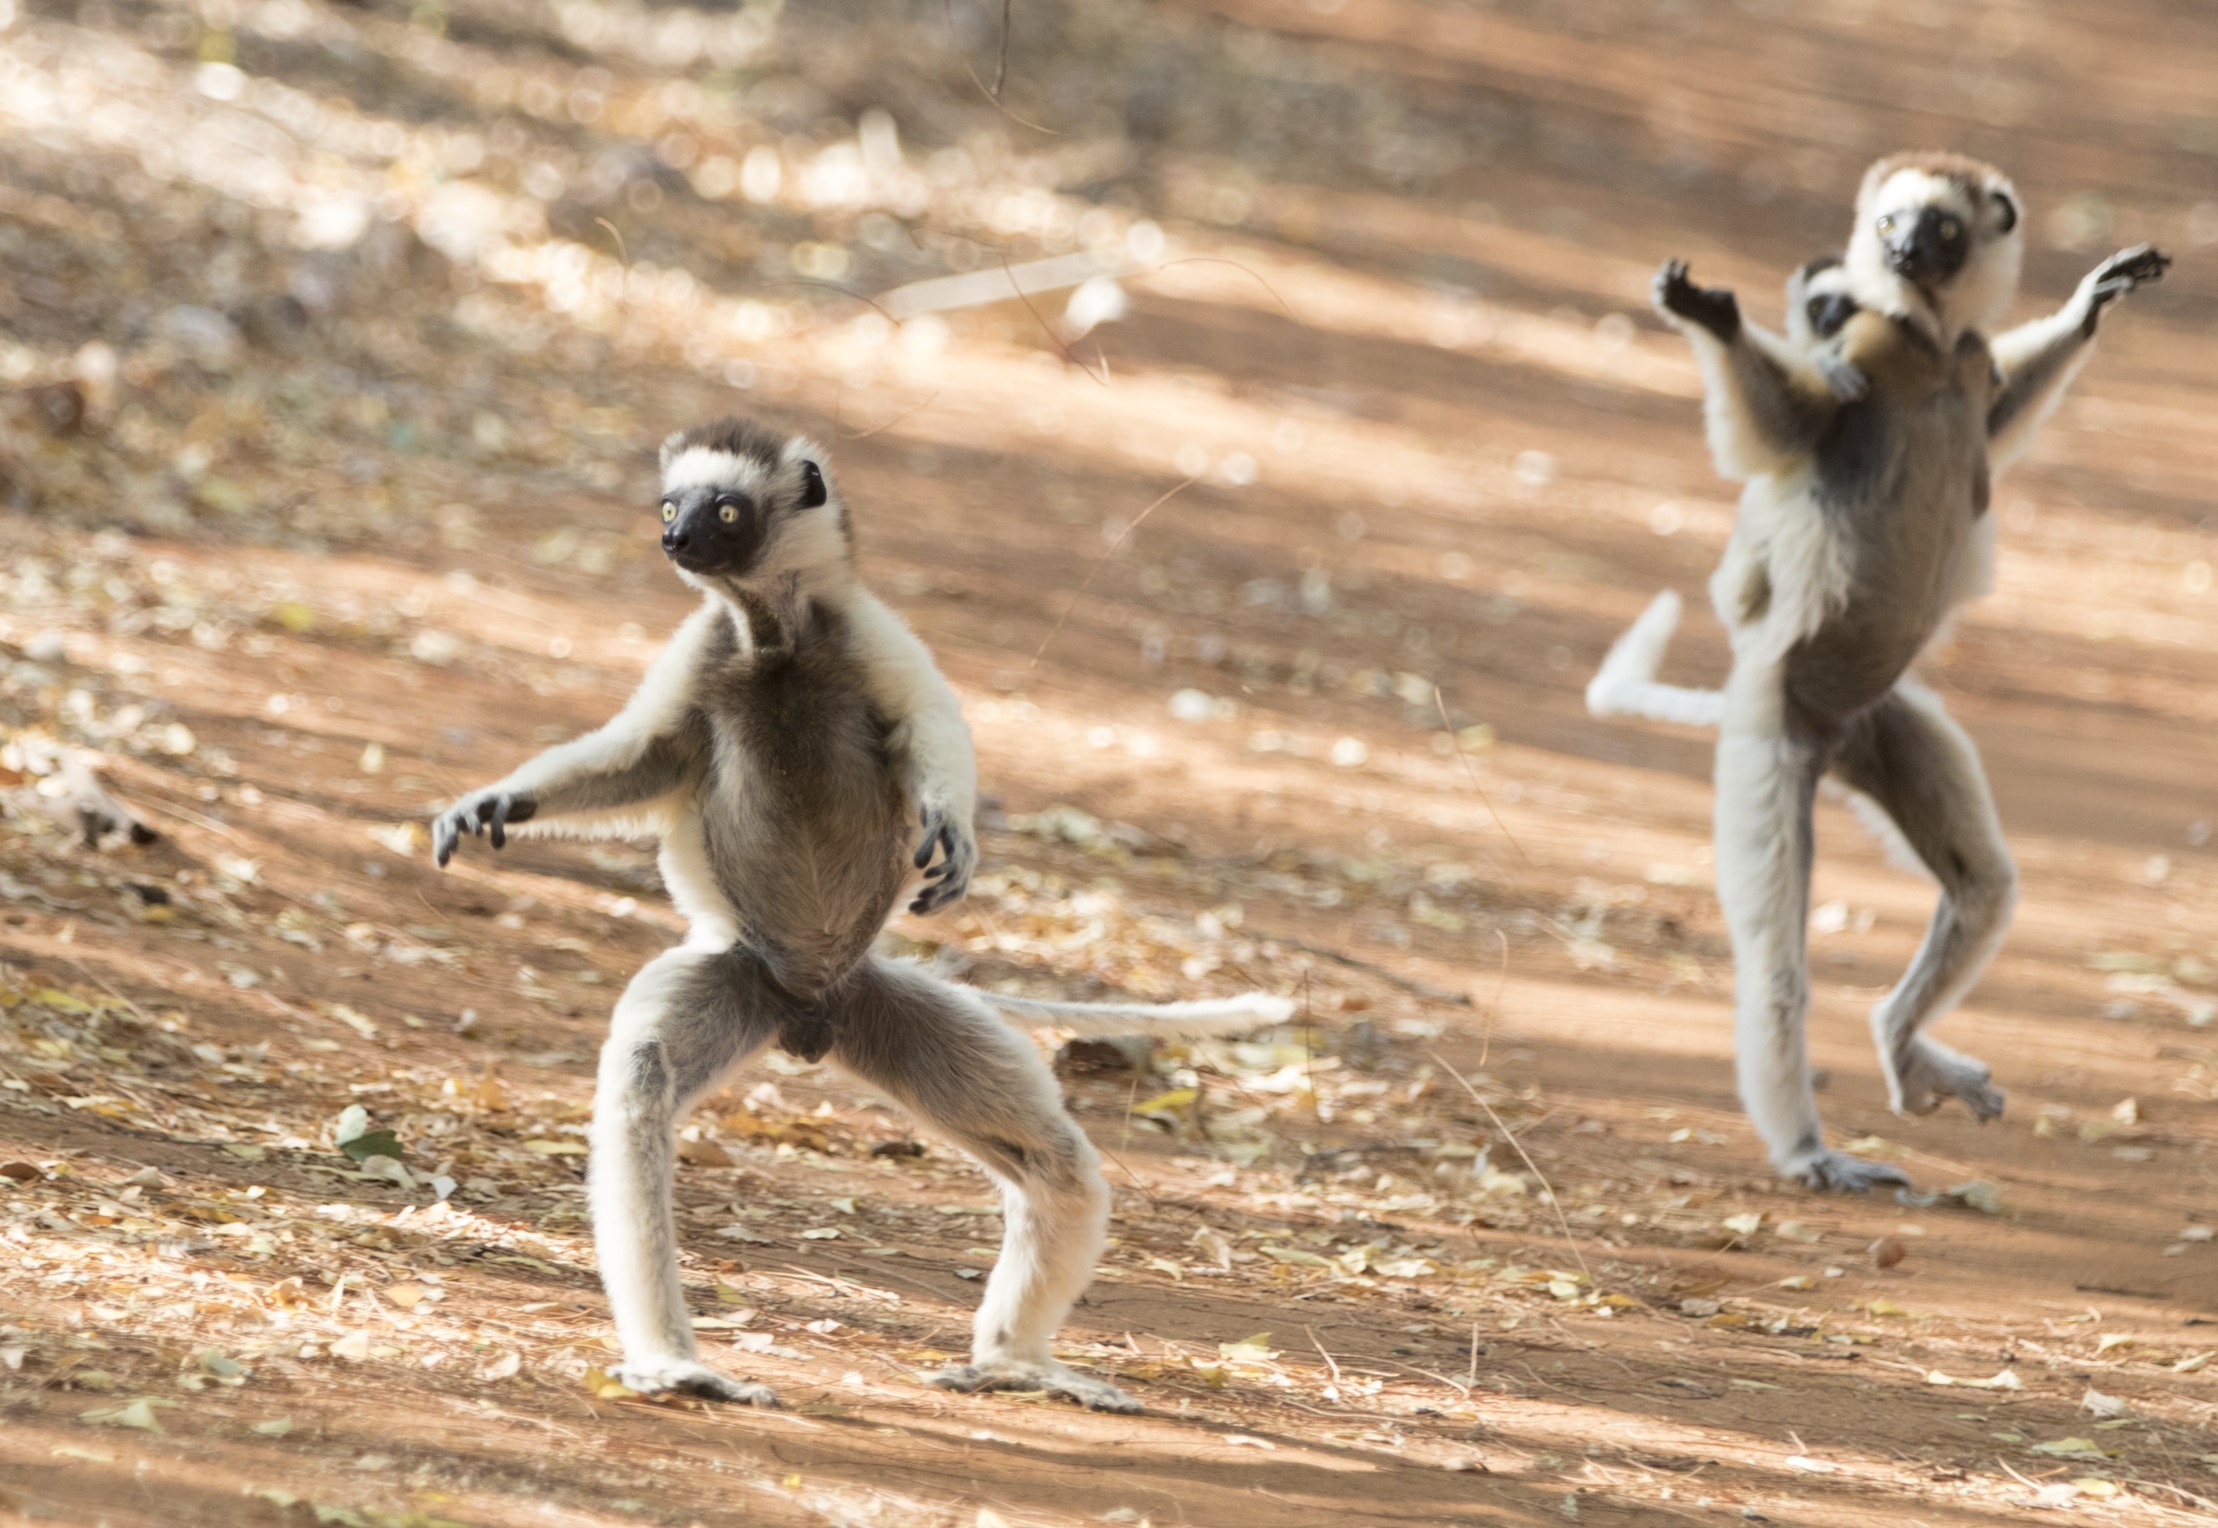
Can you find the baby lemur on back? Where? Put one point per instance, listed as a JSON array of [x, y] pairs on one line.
[[799, 756]]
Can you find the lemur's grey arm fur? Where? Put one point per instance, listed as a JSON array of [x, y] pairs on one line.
[[1765, 401], [2039, 359], [614, 779]]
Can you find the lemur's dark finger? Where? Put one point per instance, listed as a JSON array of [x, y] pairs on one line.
[[442, 839], [500, 822]]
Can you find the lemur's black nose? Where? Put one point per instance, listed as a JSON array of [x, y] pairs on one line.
[[675, 540]]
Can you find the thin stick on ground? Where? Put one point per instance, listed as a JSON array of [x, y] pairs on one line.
[[1309, 1050], [1132, 1094], [994, 95], [1494, 1011], [1001, 61], [1245, 270], [1554, 1203], [1122, 536], [1048, 329], [1330, 1362], [623, 258], [889, 424], [1471, 770]]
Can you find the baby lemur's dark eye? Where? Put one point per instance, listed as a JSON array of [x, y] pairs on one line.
[[669, 513], [813, 491], [1817, 311], [1950, 228]]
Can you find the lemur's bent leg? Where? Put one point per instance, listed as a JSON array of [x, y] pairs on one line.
[[1918, 766], [1767, 774], [2039, 359], [942, 1054], [689, 1016]]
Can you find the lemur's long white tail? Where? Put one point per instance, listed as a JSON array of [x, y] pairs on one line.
[[1625, 684], [1199, 1020]]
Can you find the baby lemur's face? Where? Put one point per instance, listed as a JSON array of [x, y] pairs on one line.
[[1818, 301], [740, 502]]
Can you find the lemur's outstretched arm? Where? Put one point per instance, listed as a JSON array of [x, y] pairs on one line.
[[622, 777], [2039, 359], [1765, 401], [931, 742]]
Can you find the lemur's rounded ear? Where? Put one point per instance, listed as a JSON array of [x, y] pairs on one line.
[[813, 491], [2009, 211]]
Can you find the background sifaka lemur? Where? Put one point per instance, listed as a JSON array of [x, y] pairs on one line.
[[1864, 524]]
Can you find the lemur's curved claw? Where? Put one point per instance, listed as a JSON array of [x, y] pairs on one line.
[[935, 829], [946, 881], [476, 813]]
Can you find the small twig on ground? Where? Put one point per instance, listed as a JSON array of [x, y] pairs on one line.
[[993, 95], [1122, 536], [1474, 1355], [1048, 329], [1001, 62], [889, 424], [1501, 984], [1309, 1050], [1330, 1363], [103, 984], [1472, 771], [1236, 265], [1457, 1385], [623, 258], [833, 286], [1554, 1203]]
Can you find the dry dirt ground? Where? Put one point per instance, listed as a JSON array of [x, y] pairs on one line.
[[329, 415]]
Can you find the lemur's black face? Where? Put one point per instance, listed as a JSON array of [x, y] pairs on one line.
[[713, 530], [1927, 245], [718, 530]]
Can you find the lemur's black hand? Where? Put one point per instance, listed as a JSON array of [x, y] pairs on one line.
[[946, 881], [481, 811], [1712, 308], [2121, 273]]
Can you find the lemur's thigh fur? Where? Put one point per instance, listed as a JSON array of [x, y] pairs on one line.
[[966, 1075], [1920, 768]]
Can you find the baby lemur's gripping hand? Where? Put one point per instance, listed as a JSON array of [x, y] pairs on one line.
[[1710, 308], [947, 834], [488, 810], [2120, 274]]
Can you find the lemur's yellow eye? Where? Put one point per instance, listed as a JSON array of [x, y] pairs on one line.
[[669, 513], [1950, 228], [728, 513], [1887, 223]]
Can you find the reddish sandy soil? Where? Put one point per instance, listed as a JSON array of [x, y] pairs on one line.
[[356, 498]]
